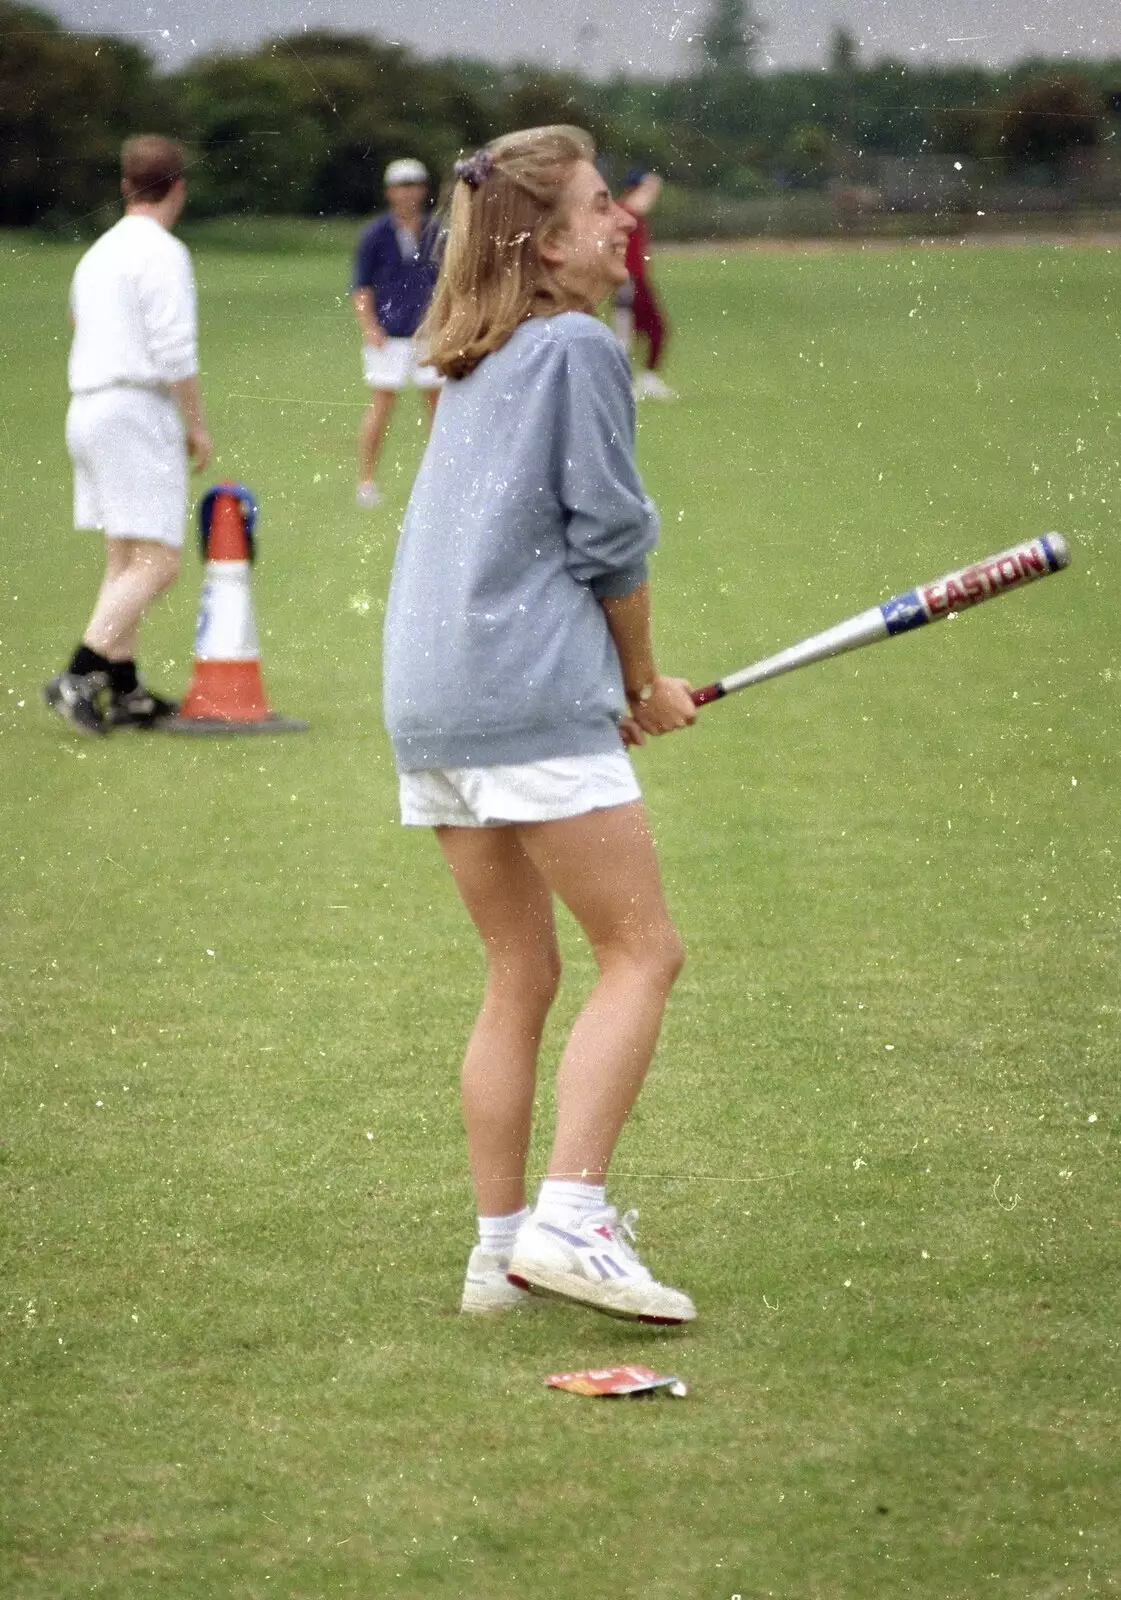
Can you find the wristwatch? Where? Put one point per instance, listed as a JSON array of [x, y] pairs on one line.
[[643, 693]]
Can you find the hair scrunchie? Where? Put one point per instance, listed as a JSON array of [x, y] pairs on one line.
[[476, 169]]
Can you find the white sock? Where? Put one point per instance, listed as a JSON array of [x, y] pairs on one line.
[[560, 1200], [497, 1234]]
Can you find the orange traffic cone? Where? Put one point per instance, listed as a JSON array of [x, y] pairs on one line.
[[226, 693]]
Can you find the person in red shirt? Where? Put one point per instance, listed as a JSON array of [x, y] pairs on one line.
[[637, 310]]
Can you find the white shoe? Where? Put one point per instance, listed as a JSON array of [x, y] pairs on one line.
[[592, 1263], [368, 496], [648, 386], [487, 1289]]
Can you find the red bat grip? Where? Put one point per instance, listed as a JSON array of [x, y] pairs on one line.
[[705, 696]]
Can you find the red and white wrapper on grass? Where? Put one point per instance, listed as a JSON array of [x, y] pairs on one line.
[[608, 1381]]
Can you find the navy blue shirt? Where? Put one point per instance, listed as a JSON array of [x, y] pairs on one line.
[[402, 284]]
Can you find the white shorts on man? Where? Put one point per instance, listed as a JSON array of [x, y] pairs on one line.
[[396, 364], [128, 449]]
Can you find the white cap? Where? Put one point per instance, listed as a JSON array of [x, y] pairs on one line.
[[407, 170]]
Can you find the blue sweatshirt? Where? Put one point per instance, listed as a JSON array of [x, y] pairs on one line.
[[526, 512]]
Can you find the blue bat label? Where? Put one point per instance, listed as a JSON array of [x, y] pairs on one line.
[[903, 611]]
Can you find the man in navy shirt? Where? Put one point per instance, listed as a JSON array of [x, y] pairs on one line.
[[395, 268]]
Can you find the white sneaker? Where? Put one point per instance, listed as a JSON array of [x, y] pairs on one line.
[[487, 1289], [592, 1263], [648, 386], [368, 496]]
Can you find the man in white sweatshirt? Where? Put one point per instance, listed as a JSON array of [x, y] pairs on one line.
[[135, 419]]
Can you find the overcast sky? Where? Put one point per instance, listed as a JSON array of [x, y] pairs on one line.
[[639, 36]]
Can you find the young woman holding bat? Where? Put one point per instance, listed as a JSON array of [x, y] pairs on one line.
[[518, 664]]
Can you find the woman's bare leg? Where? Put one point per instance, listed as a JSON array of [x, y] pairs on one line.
[[372, 430], [510, 905], [602, 865]]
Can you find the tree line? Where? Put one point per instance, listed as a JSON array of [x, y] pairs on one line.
[[304, 124]]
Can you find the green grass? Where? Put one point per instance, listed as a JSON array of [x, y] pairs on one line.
[[879, 1144]]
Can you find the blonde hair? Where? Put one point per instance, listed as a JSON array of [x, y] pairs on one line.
[[492, 277]]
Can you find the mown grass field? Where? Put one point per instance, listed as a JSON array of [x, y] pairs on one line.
[[879, 1144]]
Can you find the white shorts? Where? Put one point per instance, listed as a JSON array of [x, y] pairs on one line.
[[533, 791], [128, 449], [395, 364]]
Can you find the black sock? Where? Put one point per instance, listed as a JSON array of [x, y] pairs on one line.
[[85, 660], [122, 677]]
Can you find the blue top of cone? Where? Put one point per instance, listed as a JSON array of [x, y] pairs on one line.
[[246, 504]]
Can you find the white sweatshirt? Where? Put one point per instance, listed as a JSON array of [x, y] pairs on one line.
[[133, 304]]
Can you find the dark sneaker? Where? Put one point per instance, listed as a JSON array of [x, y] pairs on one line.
[[140, 708], [80, 701]]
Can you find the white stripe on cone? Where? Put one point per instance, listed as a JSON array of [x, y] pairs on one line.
[[226, 629]]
